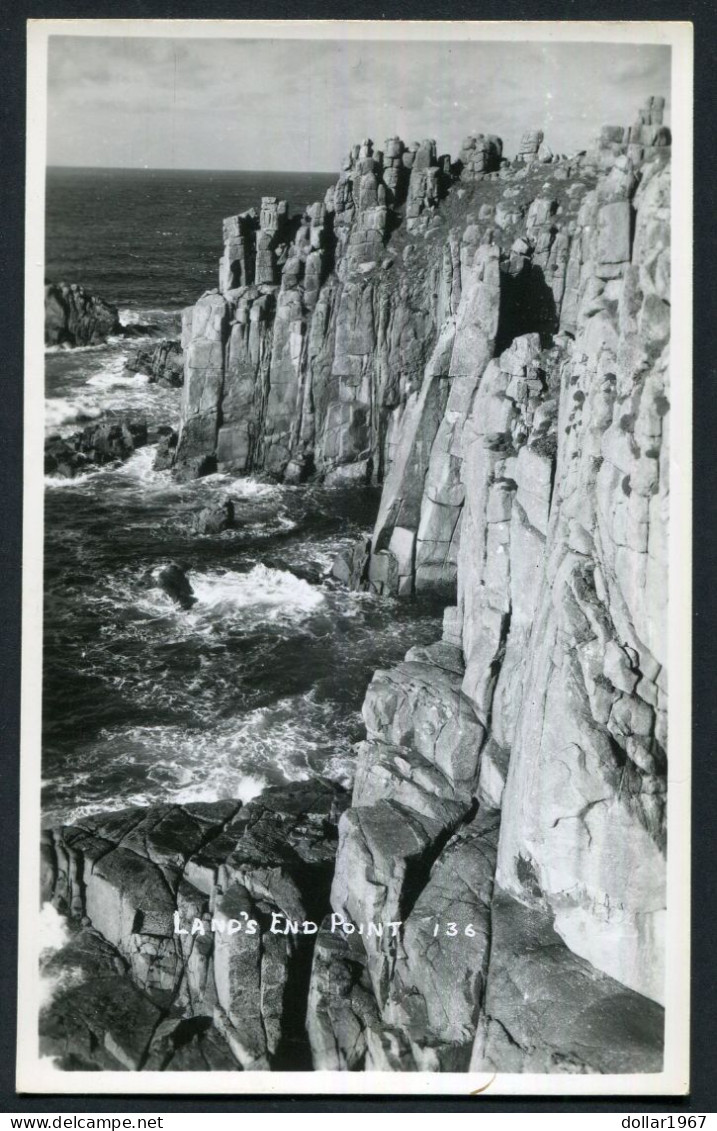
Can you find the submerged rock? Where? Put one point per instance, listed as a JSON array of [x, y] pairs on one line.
[[63, 460], [215, 519], [175, 583]]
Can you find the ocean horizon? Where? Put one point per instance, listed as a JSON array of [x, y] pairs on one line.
[[331, 174], [150, 239]]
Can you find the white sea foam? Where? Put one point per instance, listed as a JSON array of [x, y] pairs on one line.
[[53, 933], [290, 740], [235, 487], [271, 593], [66, 348], [77, 481], [132, 317], [245, 789], [115, 376], [227, 600], [60, 411], [111, 389], [250, 488], [140, 467], [207, 778], [151, 315], [52, 929]]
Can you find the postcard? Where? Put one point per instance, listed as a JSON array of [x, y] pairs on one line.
[[359, 372]]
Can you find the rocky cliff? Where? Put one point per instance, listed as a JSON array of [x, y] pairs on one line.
[[74, 317], [488, 339], [514, 775]]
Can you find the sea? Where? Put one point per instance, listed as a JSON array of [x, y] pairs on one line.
[[261, 682]]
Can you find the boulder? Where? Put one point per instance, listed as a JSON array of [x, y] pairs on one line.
[[63, 460], [215, 519], [175, 583]]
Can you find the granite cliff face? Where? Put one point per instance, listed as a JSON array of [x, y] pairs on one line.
[[515, 773], [490, 341]]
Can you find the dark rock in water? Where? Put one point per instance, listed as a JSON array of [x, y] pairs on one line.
[[74, 317], [351, 566], [195, 468], [164, 457], [212, 520], [104, 443], [312, 572], [175, 583], [138, 329], [199, 991], [62, 460], [95, 446], [163, 363]]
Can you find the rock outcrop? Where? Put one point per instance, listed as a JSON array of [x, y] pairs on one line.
[[95, 446], [191, 932], [74, 317], [162, 363], [490, 341], [302, 360]]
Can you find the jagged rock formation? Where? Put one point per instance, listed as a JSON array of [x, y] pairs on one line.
[[74, 317], [304, 357], [646, 133], [490, 340], [479, 154], [95, 446], [163, 363], [227, 991]]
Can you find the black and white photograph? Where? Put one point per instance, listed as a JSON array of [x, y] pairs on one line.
[[357, 359]]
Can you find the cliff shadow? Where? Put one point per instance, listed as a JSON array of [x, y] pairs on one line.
[[527, 306]]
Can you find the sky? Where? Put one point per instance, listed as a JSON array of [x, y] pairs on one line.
[[281, 104]]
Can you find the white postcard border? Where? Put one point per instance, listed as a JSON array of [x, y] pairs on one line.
[[38, 1075]]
